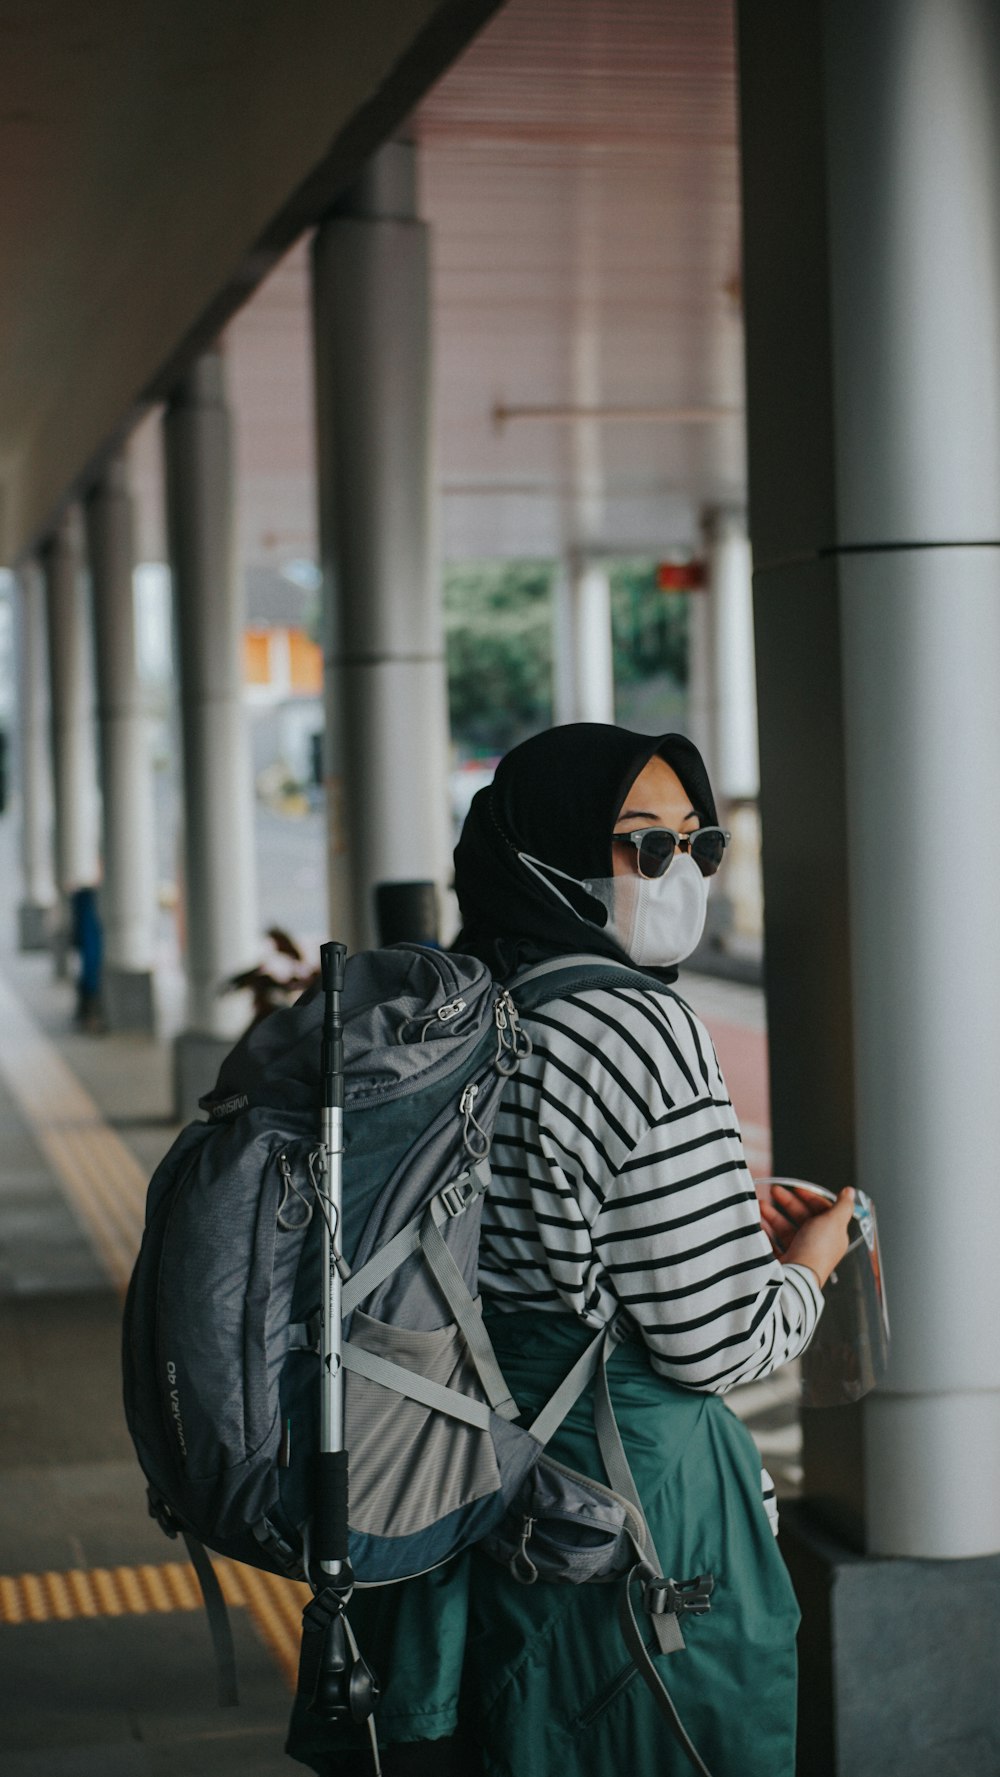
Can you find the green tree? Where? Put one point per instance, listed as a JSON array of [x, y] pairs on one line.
[[650, 630], [650, 627], [498, 631]]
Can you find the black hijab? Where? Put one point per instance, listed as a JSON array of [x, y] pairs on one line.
[[557, 797]]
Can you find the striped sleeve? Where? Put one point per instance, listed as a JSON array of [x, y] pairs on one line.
[[680, 1237], [620, 1181]]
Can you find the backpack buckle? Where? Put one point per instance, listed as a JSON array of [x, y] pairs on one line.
[[159, 1509], [663, 1597], [457, 1196]]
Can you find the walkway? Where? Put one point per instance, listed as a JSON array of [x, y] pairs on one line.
[[105, 1663], [106, 1669]]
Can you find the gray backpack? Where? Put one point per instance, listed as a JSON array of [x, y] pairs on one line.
[[221, 1335]]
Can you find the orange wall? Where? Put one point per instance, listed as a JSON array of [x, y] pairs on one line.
[[305, 660], [307, 664]]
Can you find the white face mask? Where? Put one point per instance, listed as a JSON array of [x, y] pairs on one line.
[[657, 922], [660, 920]]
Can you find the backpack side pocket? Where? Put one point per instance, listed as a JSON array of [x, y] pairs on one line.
[[563, 1526]]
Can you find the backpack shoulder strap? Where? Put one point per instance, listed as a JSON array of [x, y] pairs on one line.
[[576, 973]]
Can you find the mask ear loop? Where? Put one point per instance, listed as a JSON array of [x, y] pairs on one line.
[[536, 866]]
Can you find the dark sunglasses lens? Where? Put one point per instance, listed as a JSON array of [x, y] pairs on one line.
[[656, 849], [708, 848]]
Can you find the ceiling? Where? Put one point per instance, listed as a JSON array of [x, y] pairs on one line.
[[579, 166], [154, 161], [579, 170]]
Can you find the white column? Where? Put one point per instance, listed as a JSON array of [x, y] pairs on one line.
[[564, 698], [918, 460], [702, 698], [732, 694], [35, 912], [872, 290], [128, 900], [220, 903], [874, 423], [583, 654], [725, 708], [386, 688], [923, 734], [595, 676], [71, 708]]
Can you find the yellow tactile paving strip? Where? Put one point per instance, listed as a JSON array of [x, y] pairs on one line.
[[102, 1180], [275, 1605], [106, 1187]]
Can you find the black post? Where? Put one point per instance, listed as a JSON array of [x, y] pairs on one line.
[[407, 912]]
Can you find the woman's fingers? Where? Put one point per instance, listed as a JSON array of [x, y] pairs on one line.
[[777, 1227], [786, 1212], [775, 1218], [798, 1209], [823, 1240]]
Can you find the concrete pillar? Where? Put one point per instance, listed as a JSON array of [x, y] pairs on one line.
[[36, 909], [723, 635], [219, 888], [386, 690], [71, 715], [128, 900], [583, 654], [701, 716], [564, 700], [873, 311], [722, 695], [733, 710]]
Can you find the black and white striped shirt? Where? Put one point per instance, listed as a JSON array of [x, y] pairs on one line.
[[619, 1181]]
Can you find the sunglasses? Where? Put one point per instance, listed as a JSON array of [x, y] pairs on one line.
[[656, 846]]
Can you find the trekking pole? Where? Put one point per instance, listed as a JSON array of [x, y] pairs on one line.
[[331, 1513], [344, 1687]]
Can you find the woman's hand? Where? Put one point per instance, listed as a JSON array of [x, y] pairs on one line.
[[784, 1212], [808, 1230]]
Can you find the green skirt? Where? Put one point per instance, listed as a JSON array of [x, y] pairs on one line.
[[539, 1675]]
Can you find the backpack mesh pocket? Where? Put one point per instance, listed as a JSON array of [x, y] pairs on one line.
[[411, 1465]]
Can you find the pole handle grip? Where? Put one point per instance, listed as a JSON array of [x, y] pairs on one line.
[[330, 1539], [332, 958]]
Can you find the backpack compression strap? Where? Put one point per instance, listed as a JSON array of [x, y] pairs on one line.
[[423, 1233], [219, 1626], [647, 1671], [664, 1600]]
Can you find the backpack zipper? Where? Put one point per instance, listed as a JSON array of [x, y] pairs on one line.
[[477, 1148], [291, 1189], [513, 1043], [445, 1014]]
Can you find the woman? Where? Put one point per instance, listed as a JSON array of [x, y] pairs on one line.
[[619, 1183]]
